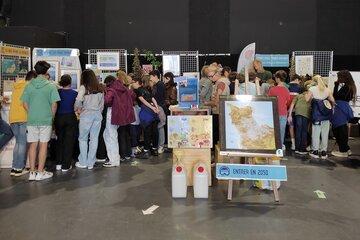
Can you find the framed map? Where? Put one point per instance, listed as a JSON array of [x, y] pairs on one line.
[[249, 126], [190, 131]]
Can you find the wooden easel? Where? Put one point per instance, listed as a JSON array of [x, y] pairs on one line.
[[249, 160]]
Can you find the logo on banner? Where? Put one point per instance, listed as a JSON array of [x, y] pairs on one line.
[[224, 171]]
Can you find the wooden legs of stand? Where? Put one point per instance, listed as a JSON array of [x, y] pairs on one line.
[[230, 185], [274, 187]]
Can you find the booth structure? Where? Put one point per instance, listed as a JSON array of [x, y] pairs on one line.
[[180, 62], [15, 63]]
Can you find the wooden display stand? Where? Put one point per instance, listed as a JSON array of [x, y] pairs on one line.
[[189, 158]]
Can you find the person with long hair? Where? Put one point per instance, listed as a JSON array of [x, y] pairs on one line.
[[322, 101], [89, 104], [344, 92]]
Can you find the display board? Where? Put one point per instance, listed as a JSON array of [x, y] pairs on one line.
[[249, 126], [189, 131], [188, 91], [171, 63], [189, 60], [62, 61], [322, 61]]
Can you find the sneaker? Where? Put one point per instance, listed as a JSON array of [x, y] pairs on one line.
[[58, 167], [66, 169], [143, 155], [340, 154], [32, 176], [324, 155], [314, 154], [101, 160], [90, 167], [110, 165], [43, 175], [78, 165], [349, 153], [12, 172], [302, 153], [297, 152], [292, 147], [20, 172], [154, 152], [161, 149]]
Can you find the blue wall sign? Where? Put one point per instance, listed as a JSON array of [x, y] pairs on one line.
[[274, 60], [228, 171]]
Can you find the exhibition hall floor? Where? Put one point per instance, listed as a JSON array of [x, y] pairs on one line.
[[107, 204]]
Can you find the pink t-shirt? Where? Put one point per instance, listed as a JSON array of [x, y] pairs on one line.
[[283, 98]]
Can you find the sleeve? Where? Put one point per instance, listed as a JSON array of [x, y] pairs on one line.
[[221, 87], [109, 96], [271, 92], [204, 89], [25, 96], [54, 95], [173, 96], [81, 94]]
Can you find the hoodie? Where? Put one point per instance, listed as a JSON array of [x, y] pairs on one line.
[[39, 95], [223, 86], [121, 101], [17, 112]]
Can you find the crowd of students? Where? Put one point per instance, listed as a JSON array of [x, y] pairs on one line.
[[106, 118], [109, 118], [306, 106]]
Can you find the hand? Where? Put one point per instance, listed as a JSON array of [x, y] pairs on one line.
[[290, 119]]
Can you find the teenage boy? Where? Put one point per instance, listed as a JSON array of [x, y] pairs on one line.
[[40, 99], [148, 119]]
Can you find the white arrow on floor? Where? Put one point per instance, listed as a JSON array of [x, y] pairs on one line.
[[320, 194], [150, 210]]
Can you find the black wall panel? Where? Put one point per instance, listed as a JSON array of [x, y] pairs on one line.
[[155, 25]]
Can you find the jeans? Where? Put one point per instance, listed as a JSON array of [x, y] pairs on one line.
[[320, 129], [65, 129], [20, 149], [111, 140], [5, 133], [89, 125], [341, 135], [124, 141], [283, 121], [301, 124], [151, 136], [162, 136]]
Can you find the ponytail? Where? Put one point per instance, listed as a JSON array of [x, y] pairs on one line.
[[320, 82]]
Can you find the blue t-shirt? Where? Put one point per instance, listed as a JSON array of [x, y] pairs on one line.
[[66, 105]]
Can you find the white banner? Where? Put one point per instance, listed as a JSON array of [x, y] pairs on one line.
[[246, 57]]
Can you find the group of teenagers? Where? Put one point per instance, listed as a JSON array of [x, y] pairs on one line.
[[109, 118], [306, 105], [100, 122]]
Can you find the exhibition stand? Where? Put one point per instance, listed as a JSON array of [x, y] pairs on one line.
[[15, 63]]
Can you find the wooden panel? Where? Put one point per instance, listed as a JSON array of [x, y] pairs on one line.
[[189, 158]]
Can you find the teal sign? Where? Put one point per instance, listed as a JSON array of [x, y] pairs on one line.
[[228, 171], [274, 60]]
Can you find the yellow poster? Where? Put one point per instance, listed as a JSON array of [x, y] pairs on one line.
[[14, 51]]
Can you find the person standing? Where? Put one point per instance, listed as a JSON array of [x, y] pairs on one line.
[[18, 119], [89, 104], [283, 100], [40, 99], [321, 104], [261, 73], [344, 92], [65, 125], [119, 100], [205, 85]]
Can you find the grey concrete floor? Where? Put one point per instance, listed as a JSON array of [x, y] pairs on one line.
[[107, 204]]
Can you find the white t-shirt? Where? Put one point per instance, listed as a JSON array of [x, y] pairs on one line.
[[320, 95]]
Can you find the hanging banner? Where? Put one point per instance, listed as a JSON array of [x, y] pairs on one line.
[[14, 51], [246, 57]]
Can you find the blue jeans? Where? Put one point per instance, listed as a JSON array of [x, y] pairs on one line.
[[19, 153], [6, 133], [89, 125], [283, 121], [301, 133]]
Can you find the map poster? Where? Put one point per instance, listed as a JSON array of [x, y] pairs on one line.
[[249, 126], [190, 131], [9, 67]]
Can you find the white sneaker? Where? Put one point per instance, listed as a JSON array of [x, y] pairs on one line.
[[349, 152], [340, 154], [110, 165], [32, 176], [43, 175], [78, 165], [65, 170], [58, 167], [100, 160], [90, 168], [161, 149]]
